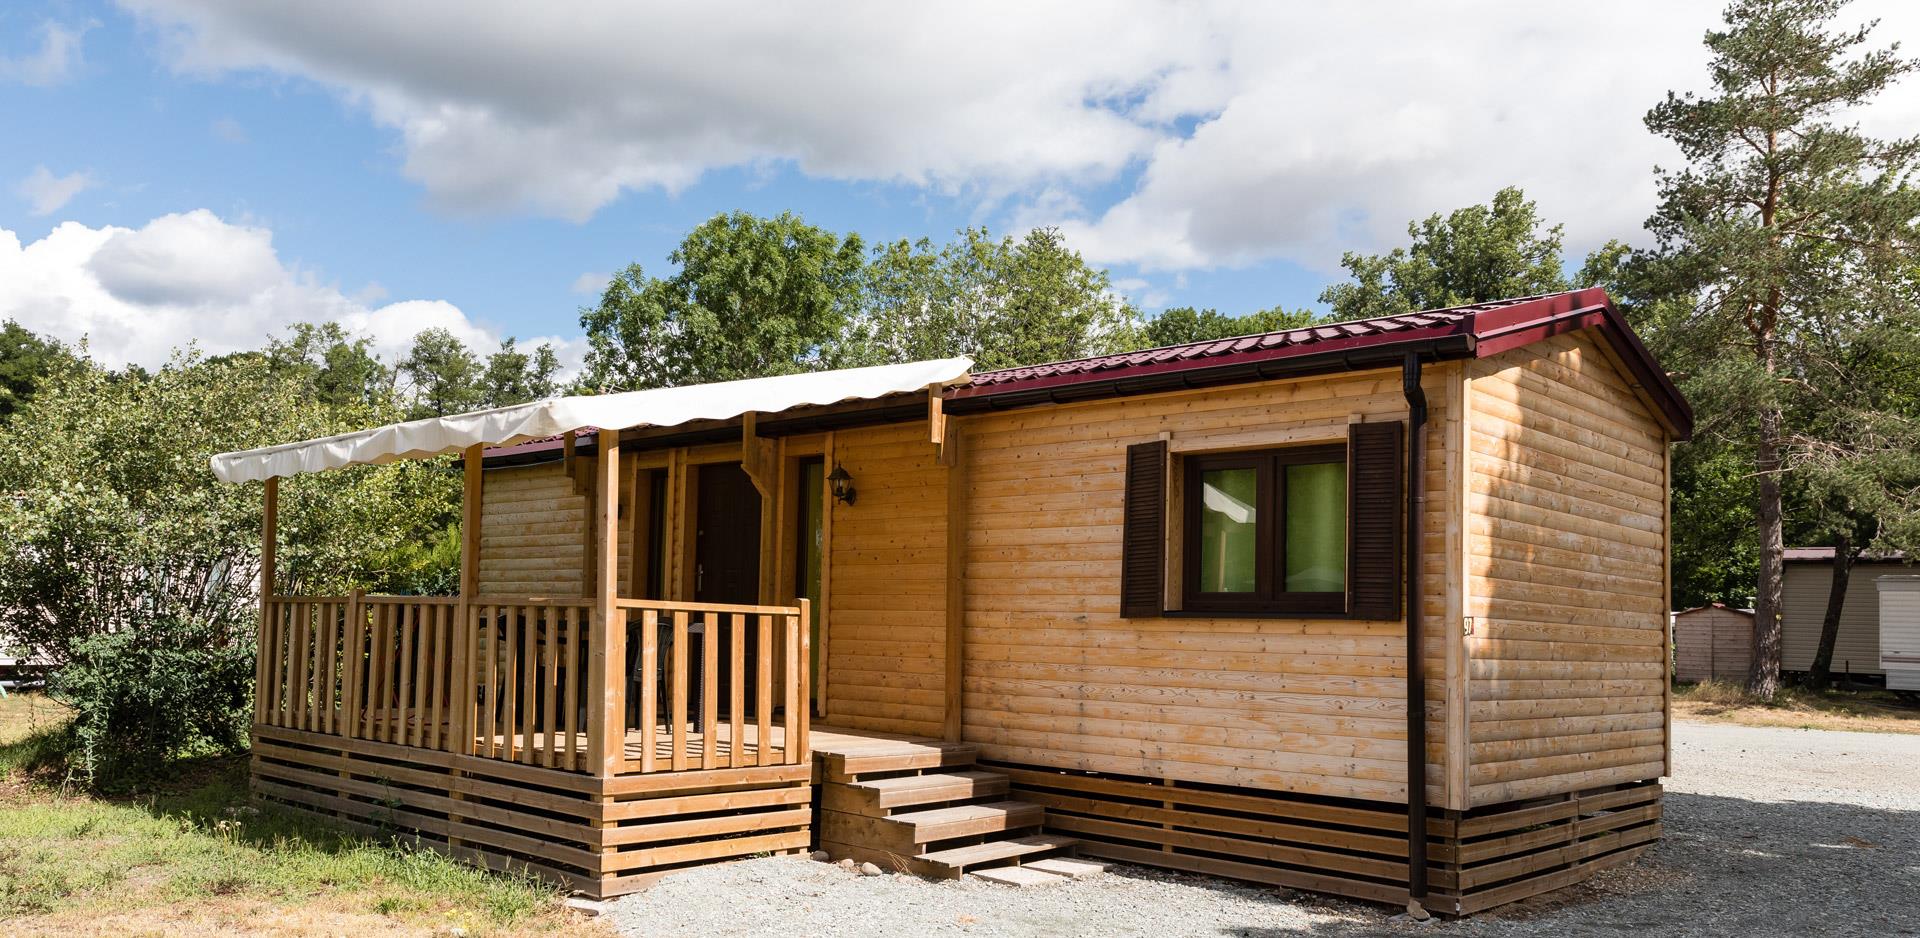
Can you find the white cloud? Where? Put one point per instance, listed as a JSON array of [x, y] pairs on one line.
[[591, 283], [137, 294], [57, 57], [45, 193], [1257, 130]]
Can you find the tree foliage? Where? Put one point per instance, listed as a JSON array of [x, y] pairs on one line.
[[1473, 254], [25, 360], [752, 297], [1182, 324], [998, 301], [1789, 238]]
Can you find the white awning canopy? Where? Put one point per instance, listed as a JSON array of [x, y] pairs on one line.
[[660, 407]]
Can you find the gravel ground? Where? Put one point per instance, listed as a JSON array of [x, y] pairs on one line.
[[1768, 832]]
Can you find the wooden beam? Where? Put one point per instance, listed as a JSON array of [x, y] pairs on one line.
[[937, 424], [757, 456], [956, 603], [607, 748], [569, 448]]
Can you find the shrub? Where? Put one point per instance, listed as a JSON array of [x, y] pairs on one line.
[[142, 698]]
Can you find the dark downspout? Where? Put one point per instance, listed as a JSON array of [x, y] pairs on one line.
[[1416, 684]]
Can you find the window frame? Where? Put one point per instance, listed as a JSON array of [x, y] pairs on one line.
[[1268, 596]]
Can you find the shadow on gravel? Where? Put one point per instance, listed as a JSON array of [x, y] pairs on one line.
[[1726, 866]]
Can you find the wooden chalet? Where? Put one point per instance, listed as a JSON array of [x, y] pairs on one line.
[[1160, 607]]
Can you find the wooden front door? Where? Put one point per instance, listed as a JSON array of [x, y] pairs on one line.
[[726, 556]]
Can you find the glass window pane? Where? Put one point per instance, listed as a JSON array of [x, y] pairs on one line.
[[1316, 528], [1227, 530]]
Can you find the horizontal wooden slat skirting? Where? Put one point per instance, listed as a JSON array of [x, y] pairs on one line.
[[598, 836], [1477, 859]]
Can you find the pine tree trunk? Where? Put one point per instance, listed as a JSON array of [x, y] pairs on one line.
[[1820, 676], [1763, 678]]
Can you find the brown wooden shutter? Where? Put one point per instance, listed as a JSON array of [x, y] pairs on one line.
[[1375, 511], [1143, 560]]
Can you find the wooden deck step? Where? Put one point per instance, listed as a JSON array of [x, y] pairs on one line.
[[969, 820], [896, 756], [875, 797], [952, 863]]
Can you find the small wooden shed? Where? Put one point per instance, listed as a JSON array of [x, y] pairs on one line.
[[1712, 643], [1377, 609]]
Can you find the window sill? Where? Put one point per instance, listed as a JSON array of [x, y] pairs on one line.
[[1250, 614]]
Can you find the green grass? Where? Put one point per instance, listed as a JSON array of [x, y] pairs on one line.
[[199, 855]]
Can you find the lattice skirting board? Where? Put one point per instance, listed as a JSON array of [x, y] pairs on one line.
[[1478, 859], [602, 837]]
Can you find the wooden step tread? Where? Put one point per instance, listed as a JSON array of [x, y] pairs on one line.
[[957, 859], [898, 757], [906, 790], [967, 820]]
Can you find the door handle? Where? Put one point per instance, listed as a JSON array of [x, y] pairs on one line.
[[699, 576]]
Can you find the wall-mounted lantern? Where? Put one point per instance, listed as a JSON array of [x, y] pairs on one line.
[[841, 484]]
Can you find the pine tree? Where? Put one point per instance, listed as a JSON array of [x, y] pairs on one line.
[[1791, 233]]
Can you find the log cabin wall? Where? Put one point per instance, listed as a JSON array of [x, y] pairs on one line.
[[1567, 575], [1055, 677], [886, 638], [534, 531]]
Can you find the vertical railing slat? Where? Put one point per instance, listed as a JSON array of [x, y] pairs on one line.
[[569, 670], [330, 658], [403, 669], [489, 647], [763, 689], [353, 664], [737, 689], [550, 659], [529, 670], [709, 688], [442, 664], [793, 735], [649, 686], [679, 716], [301, 663], [510, 685]]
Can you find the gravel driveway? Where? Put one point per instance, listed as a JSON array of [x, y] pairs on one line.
[[1768, 832]]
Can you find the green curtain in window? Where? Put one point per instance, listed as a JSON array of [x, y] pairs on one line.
[[1316, 528]]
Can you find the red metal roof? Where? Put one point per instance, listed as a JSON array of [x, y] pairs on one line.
[[1481, 329]]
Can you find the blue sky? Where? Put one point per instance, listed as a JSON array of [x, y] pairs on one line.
[[402, 165]]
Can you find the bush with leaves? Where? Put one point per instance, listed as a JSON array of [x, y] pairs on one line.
[[142, 697]]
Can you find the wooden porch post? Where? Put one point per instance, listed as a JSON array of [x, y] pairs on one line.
[[269, 537], [606, 747], [471, 503]]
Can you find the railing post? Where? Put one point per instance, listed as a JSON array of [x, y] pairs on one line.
[[805, 627]]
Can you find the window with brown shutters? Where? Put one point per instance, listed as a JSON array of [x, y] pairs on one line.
[[1312, 530], [1377, 517], [1143, 561]]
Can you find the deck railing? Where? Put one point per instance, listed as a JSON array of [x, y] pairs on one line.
[[530, 668], [510, 679], [709, 679]]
